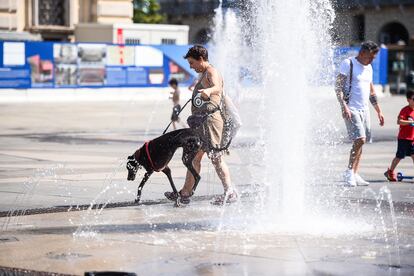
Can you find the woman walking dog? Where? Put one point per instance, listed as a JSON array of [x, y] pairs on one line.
[[207, 120]]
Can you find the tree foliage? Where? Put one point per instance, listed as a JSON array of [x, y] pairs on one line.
[[147, 11]]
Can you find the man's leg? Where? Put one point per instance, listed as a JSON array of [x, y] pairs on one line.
[[189, 179], [355, 154], [357, 160]]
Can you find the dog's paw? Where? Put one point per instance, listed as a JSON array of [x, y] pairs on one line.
[[131, 176]]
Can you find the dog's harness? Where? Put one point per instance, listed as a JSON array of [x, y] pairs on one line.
[[149, 156]]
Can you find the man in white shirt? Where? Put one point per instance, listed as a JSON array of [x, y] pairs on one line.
[[354, 89]]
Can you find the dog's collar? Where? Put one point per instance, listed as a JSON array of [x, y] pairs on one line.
[[149, 156]]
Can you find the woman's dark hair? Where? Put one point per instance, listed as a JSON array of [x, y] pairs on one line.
[[173, 81], [197, 52], [409, 94]]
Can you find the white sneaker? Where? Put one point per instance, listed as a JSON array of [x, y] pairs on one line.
[[349, 178], [360, 181]]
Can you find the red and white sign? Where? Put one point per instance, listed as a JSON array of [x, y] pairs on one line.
[[120, 40]]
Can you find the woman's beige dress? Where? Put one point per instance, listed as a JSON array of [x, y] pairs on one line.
[[211, 130]]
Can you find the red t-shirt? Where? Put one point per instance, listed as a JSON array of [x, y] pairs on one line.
[[406, 131]]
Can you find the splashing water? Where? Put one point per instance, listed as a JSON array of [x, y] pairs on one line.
[[29, 188], [110, 189], [227, 32], [294, 46], [288, 48]]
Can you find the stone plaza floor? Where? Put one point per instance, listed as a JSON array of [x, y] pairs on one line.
[[58, 153]]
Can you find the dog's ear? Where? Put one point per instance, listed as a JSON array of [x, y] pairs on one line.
[[136, 154], [132, 167]]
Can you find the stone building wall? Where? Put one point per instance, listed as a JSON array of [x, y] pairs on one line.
[[10, 15], [56, 19], [375, 19]]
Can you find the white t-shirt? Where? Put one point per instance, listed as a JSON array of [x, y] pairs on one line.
[[361, 82]]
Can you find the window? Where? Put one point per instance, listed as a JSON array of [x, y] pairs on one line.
[[168, 41], [394, 33], [51, 12], [359, 27], [132, 41]]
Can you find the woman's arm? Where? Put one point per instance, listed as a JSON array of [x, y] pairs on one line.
[[214, 82]]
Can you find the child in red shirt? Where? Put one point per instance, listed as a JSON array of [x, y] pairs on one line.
[[405, 136]]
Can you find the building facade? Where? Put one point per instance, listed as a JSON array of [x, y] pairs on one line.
[[124, 33], [55, 20], [197, 14], [389, 23], [383, 21]]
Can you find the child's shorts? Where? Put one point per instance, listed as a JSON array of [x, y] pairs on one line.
[[405, 148], [175, 112]]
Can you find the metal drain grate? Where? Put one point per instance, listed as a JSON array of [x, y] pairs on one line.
[[8, 239]]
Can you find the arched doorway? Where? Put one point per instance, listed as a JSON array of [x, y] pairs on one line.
[[392, 33]]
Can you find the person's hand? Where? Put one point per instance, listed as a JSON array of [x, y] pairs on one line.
[[346, 113], [205, 95], [381, 119]]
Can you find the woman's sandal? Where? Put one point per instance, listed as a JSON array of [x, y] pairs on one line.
[[231, 198], [185, 199], [173, 197]]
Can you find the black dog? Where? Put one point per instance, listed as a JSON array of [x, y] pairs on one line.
[[156, 154]]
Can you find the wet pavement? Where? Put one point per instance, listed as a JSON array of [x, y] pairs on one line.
[[205, 240], [65, 153]]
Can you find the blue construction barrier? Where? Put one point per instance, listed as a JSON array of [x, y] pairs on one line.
[[379, 65], [74, 65]]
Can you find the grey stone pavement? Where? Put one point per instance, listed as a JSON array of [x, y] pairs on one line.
[[70, 149]]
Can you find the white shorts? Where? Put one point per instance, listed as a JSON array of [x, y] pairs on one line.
[[359, 126]]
